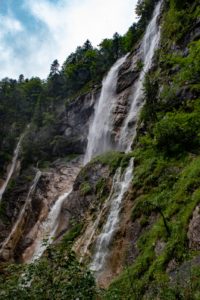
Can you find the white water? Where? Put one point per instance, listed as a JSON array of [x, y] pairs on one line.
[[99, 141], [99, 137], [48, 228], [12, 168], [90, 232], [20, 218], [120, 188], [149, 45]]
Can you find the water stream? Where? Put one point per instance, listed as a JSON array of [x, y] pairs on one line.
[[103, 241], [99, 137], [98, 141], [149, 45], [48, 229], [91, 230], [12, 168], [13, 237]]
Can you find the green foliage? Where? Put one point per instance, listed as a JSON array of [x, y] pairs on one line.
[[72, 234], [144, 11], [85, 188], [166, 176], [173, 187], [190, 69], [151, 99], [58, 275], [173, 31], [177, 132], [35, 100], [17, 102], [112, 159]]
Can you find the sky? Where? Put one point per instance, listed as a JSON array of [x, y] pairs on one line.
[[33, 33]]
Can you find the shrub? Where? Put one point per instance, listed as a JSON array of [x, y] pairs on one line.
[[85, 188], [177, 132]]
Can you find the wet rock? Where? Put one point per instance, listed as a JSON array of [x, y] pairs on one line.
[[172, 265], [160, 245], [134, 232], [73, 125], [194, 230], [68, 134], [125, 80], [181, 274], [185, 93], [195, 33], [51, 185], [78, 203]]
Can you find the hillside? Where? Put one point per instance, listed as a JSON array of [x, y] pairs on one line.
[[103, 201]]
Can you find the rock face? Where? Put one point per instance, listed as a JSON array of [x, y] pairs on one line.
[[73, 124], [129, 71], [127, 76], [56, 182], [50, 186], [68, 134], [91, 185], [194, 230]]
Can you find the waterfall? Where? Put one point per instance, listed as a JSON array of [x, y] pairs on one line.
[[99, 137], [21, 220], [12, 168], [121, 186], [90, 231], [149, 45], [100, 141], [48, 228]]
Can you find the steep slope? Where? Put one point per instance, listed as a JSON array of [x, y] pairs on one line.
[[164, 248], [137, 230]]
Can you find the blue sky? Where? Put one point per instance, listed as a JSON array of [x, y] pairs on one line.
[[35, 32]]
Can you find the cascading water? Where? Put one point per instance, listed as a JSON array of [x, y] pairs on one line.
[[90, 232], [100, 141], [48, 229], [14, 234], [100, 132], [12, 168], [45, 229], [149, 45], [99, 137], [120, 188]]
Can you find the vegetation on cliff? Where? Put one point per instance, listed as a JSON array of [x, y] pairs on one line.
[[41, 101], [166, 177], [166, 180], [58, 275]]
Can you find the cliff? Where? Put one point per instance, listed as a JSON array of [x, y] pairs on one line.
[[151, 247]]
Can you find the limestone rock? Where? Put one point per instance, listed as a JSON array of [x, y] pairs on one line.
[[194, 230]]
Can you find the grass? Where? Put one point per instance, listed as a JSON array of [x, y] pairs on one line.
[[174, 187], [113, 159]]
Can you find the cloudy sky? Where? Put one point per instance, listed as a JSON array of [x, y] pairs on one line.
[[35, 32]]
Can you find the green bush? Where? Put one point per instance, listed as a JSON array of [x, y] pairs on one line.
[[85, 188], [177, 132]]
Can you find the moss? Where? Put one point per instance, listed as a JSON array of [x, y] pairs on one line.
[[85, 188], [72, 234], [101, 189], [165, 194], [113, 159], [44, 165], [164, 183], [144, 221]]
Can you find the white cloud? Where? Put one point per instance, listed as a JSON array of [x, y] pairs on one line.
[[64, 25], [9, 24]]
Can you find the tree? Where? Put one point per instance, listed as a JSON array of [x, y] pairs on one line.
[[54, 70]]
